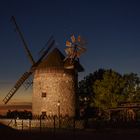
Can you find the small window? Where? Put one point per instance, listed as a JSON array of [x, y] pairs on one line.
[[43, 94]]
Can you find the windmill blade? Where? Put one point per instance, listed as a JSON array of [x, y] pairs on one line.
[[75, 48], [79, 38], [16, 86], [82, 49], [26, 75], [82, 42], [47, 44], [78, 54], [73, 39], [23, 40], [41, 51], [44, 54], [68, 44], [28, 83], [49, 41], [69, 50]]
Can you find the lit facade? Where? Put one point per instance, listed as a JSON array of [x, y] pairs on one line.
[[54, 87]]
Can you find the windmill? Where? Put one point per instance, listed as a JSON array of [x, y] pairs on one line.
[[56, 81], [34, 63], [74, 49]]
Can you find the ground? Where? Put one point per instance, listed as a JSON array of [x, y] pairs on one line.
[[100, 134]]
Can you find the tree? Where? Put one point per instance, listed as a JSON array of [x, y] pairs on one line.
[[85, 85], [106, 89], [132, 87], [109, 90], [85, 88]]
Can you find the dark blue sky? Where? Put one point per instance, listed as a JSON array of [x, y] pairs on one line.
[[111, 28]]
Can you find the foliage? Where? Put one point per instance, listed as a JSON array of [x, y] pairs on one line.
[[86, 92], [132, 87], [108, 91], [85, 85], [19, 114]]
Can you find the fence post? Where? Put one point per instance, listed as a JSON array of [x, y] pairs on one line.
[[54, 123], [15, 122], [22, 124], [40, 124], [74, 126], [74, 123], [29, 125], [59, 120]]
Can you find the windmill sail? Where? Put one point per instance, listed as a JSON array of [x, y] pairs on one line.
[[16, 86], [73, 39], [73, 51], [79, 38], [68, 44], [23, 40], [27, 74]]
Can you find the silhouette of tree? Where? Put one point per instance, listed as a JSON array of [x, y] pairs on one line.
[[19, 114]]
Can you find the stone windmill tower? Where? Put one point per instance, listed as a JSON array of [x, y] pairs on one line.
[[55, 82], [54, 87], [55, 78]]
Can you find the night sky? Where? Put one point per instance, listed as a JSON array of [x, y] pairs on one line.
[[111, 28]]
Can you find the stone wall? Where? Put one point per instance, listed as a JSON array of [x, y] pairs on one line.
[[59, 86]]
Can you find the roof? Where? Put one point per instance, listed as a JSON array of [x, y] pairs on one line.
[[55, 59]]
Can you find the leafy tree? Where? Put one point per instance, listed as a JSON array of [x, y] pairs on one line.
[[105, 89], [86, 92], [132, 87], [85, 85], [109, 90]]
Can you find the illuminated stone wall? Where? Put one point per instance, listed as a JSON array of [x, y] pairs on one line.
[[59, 86]]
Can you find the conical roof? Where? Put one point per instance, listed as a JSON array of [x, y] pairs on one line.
[[54, 59]]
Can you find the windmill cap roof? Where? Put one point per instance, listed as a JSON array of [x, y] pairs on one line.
[[54, 59]]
